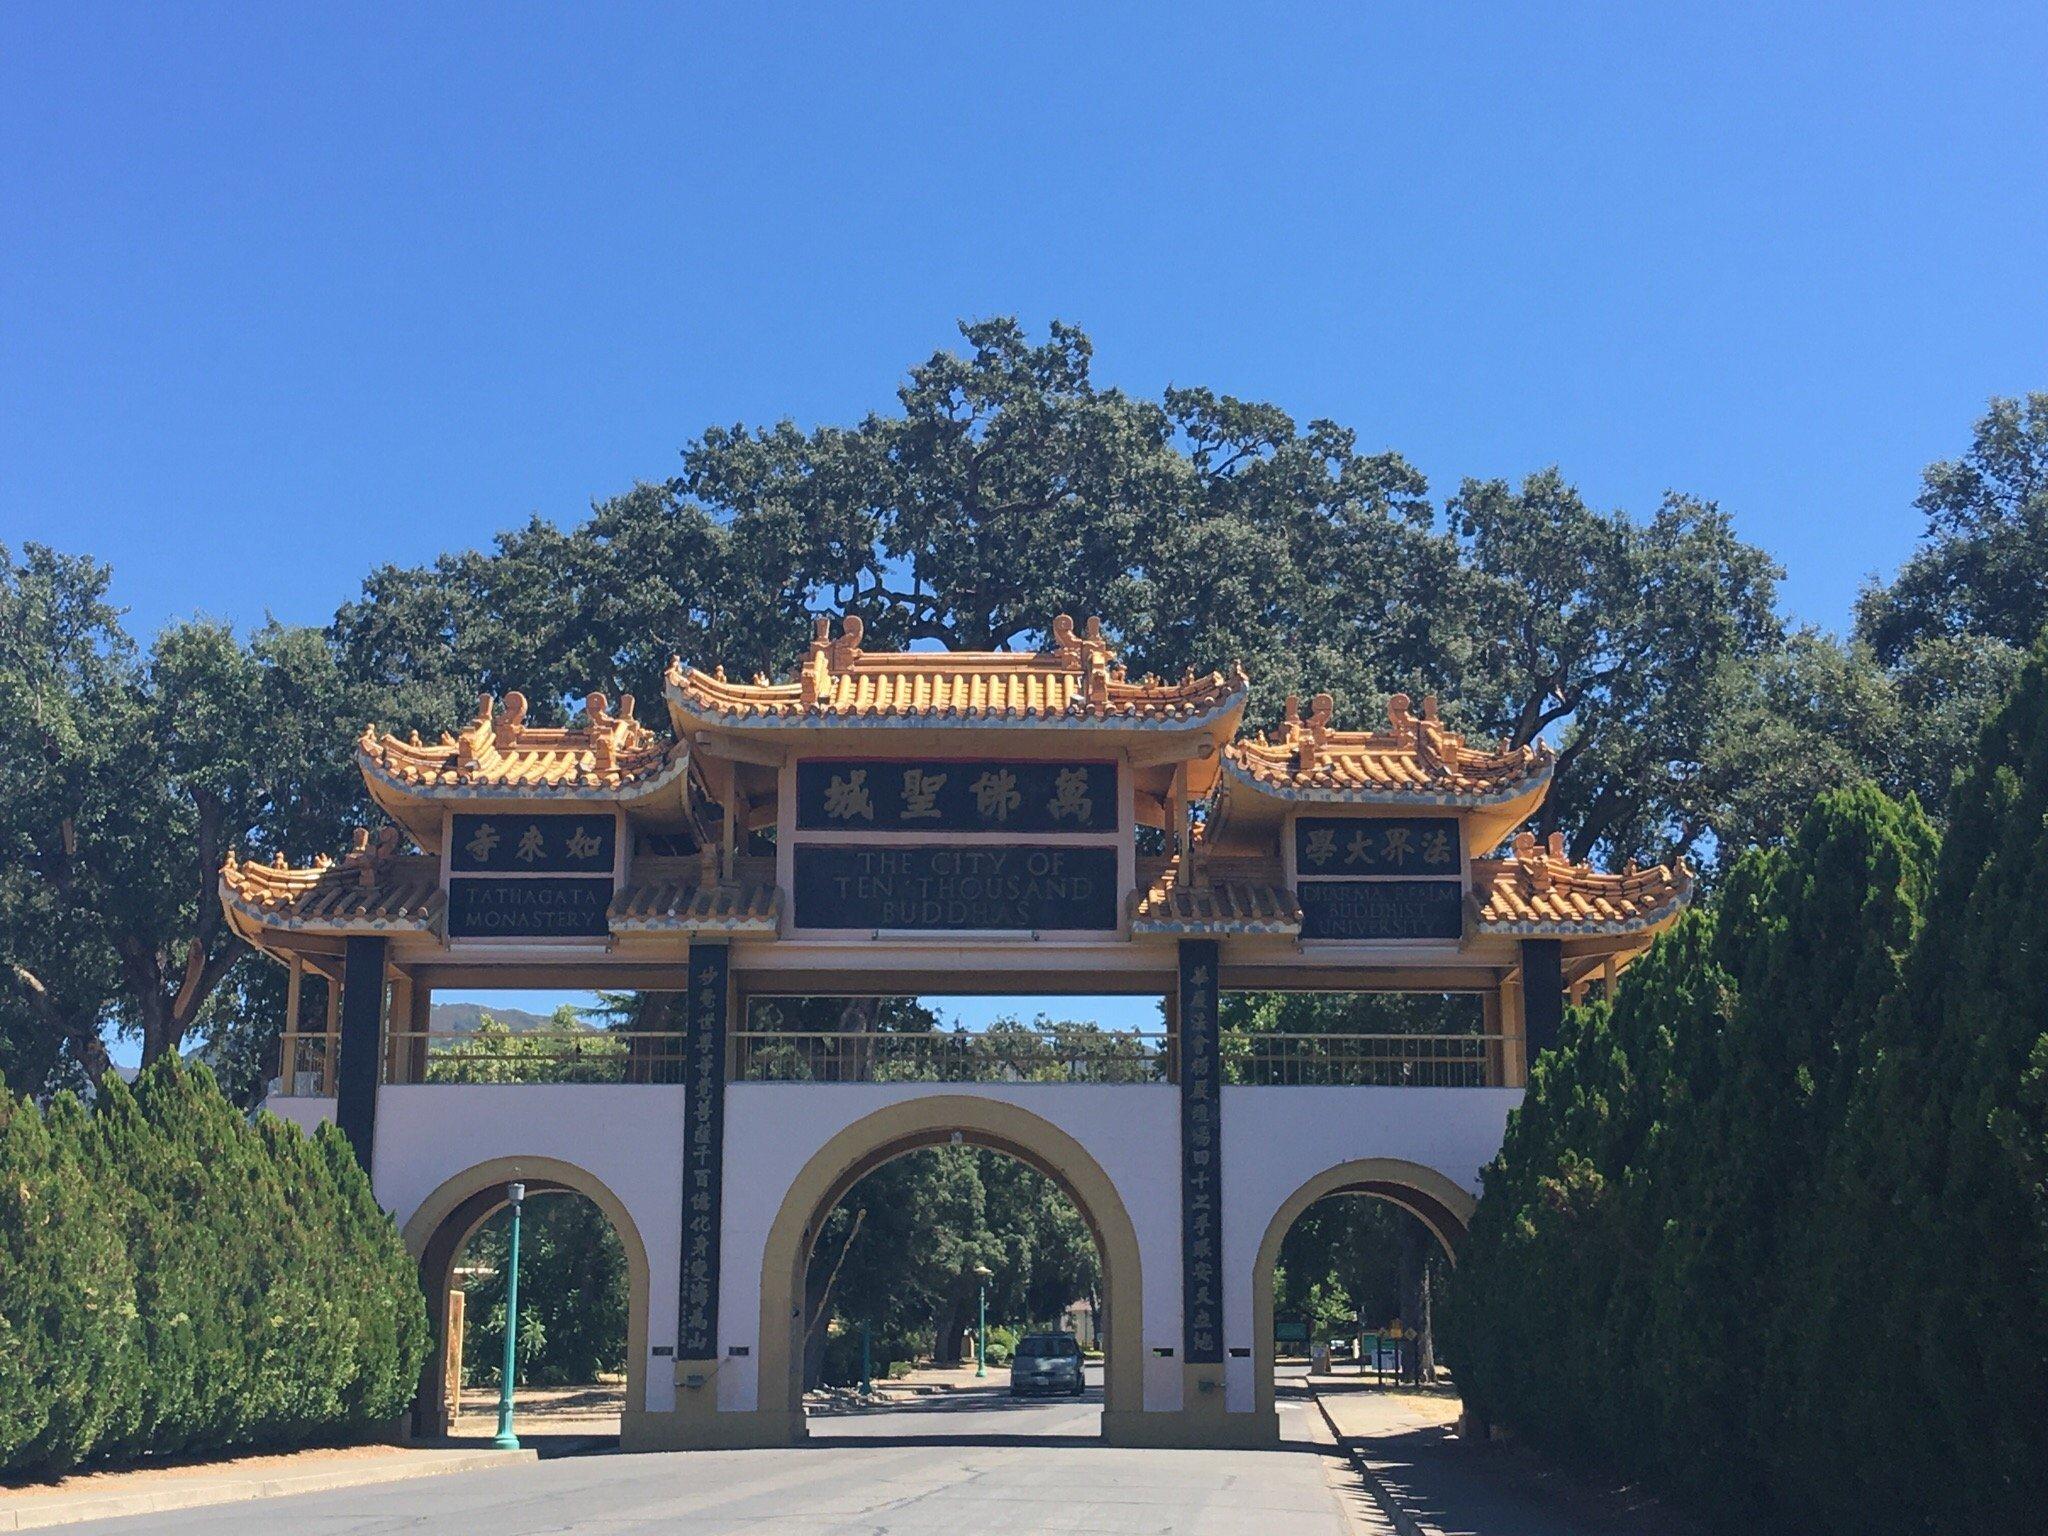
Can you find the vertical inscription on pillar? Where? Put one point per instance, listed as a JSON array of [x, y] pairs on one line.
[[1201, 1156], [704, 1151]]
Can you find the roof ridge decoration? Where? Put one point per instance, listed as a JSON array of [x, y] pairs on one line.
[[1416, 759], [374, 888], [1539, 889], [1076, 679], [609, 749]]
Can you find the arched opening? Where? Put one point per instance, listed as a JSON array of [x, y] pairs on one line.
[[566, 1207], [1441, 1206], [934, 1121]]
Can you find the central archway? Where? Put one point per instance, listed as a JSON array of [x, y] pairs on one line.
[[1432, 1198], [929, 1120]]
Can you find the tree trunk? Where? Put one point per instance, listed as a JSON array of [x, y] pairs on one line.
[[1418, 1353], [955, 1318]]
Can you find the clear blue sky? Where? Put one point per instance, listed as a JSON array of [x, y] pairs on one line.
[[284, 295]]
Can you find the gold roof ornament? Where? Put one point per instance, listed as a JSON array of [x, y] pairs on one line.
[[374, 889], [608, 750], [1541, 891], [1074, 681], [1416, 759]]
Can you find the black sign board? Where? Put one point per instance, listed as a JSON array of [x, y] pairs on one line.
[[545, 907], [1377, 845], [525, 843], [704, 1150], [866, 885], [940, 795], [1381, 909], [1201, 1154]]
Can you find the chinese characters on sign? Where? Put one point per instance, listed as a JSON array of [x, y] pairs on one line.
[[861, 885], [1408, 845], [1201, 1155], [530, 876], [530, 844], [874, 795], [1380, 877], [704, 1152]]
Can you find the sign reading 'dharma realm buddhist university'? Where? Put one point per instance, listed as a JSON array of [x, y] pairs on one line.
[[1381, 909], [1376, 845], [940, 795], [544, 907], [529, 844], [955, 885]]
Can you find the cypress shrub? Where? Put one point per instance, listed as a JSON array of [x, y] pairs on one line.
[[1638, 1288], [1935, 1359], [175, 1279], [67, 1295]]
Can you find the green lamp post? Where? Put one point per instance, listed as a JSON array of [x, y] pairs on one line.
[[982, 1273], [506, 1440]]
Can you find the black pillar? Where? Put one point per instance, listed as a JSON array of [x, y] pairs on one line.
[[1201, 1157], [362, 1044], [704, 1151], [1542, 995]]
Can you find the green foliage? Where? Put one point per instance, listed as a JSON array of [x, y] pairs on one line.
[[572, 1294], [1002, 1343], [68, 1353], [899, 1250], [1772, 1231], [176, 1279]]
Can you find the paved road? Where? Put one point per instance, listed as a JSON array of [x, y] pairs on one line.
[[1024, 1468]]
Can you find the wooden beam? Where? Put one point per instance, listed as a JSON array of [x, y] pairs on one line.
[[1152, 754]]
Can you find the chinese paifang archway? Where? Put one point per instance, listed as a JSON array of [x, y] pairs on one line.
[[907, 823]]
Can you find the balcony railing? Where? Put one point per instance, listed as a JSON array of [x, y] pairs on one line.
[[538, 1056], [1361, 1061], [956, 1056], [1006, 1055]]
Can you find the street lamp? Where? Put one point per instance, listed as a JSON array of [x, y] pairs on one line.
[[983, 1274], [506, 1440]]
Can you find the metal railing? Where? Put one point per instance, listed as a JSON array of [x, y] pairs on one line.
[[537, 1056], [1361, 1061], [951, 1056], [306, 1066], [1005, 1055]]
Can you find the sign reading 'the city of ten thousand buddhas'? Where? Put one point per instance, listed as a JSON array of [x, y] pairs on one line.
[[896, 883]]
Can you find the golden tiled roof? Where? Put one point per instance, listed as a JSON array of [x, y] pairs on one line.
[[374, 889], [1219, 899], [1541, 891], [1076, 681], [499, 753], [1414, 761], [666, 906]]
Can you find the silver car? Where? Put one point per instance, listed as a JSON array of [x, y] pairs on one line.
[[1047, 1362]]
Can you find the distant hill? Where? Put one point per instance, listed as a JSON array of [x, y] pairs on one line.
[[463, 1018]]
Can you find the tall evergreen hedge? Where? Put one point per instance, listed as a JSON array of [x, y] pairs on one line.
[[1772, 1231], [175, 1279]]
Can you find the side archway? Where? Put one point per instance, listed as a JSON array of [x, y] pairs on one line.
[[928, 1121], [1431, 1197], [437, 1232]]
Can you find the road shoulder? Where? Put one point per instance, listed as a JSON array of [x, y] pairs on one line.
[[160, 1490]]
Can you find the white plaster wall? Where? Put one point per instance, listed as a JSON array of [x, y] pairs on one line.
[[628, 1137], [1276, 1139], [773, 1129], [307, 1114]]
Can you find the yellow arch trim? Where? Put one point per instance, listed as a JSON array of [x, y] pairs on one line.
[[1440, 1204], [480, 1179], [931, 1120]]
